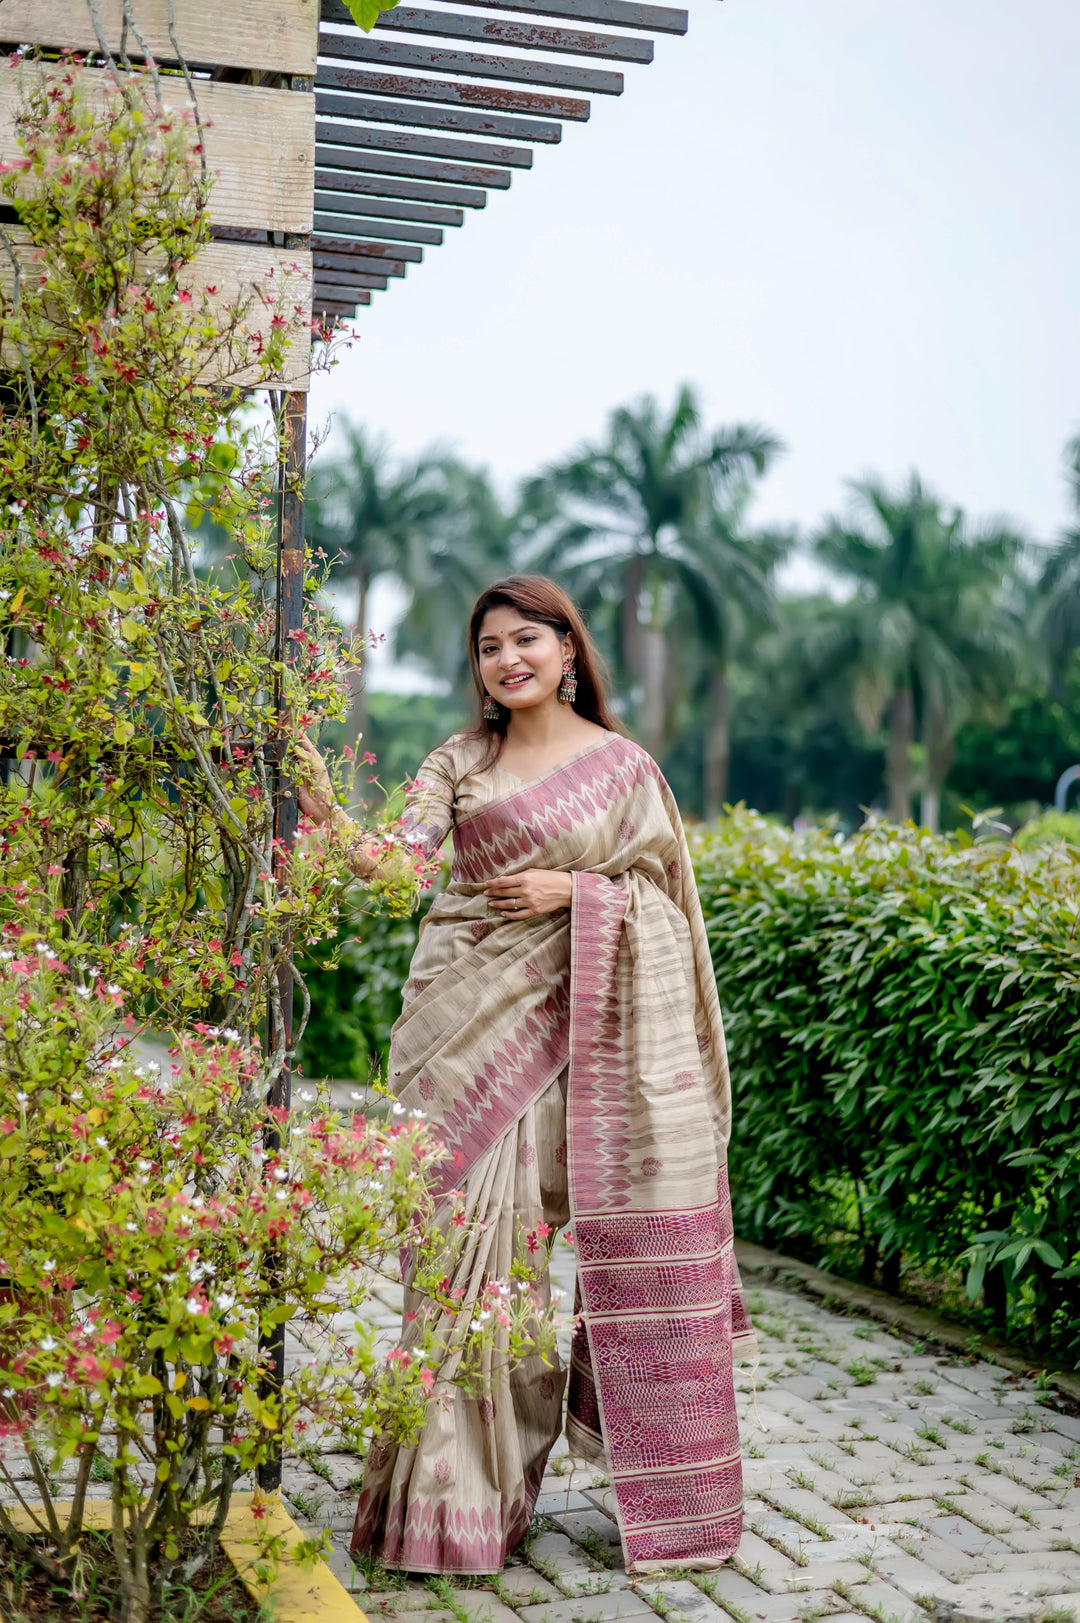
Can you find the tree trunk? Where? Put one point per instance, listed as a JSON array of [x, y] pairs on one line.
[[898, 754], [630, 616], [357, 723], [717, 745], [940, 751], [651, 727]]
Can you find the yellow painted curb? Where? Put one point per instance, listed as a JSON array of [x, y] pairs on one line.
[[293, 1596]]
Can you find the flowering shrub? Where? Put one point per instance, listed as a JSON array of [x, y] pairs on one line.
[[149, 1240], [154, 1227]]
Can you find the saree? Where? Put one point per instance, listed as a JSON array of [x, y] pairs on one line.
[[574, 1066]]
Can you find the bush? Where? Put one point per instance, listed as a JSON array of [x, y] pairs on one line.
[[1048, 827], [905, 1052]]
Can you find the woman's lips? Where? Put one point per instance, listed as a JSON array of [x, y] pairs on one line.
[[516, 681]]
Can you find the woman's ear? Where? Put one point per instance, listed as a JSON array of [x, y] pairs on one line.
[[568, 649]]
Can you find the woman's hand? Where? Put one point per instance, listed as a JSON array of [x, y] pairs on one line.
[[314, 790], [531, 894]]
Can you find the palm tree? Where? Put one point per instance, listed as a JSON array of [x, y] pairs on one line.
[[1060, 583], [380, 517], [614, 520], [726, 579], [471, 547], [929, 632]]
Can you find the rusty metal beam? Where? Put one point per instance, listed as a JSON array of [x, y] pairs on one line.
[[526, 36], [474, 64], [395, 163], [342, 203], [619, 13], [437, 118], [338, 217], [340, 180], [326, 241], [344, 131], [343, 258], [343, 225], [492, 97]]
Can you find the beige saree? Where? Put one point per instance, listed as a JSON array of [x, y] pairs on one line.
[[575, 1067]]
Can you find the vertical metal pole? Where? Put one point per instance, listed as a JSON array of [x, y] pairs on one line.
[[290, 615]]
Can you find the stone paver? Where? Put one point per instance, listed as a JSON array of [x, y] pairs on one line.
[[890, 1483]]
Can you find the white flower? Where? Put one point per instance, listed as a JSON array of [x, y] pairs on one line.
[[113, 991], [224, 1302], [193, 1305], [48, 1266], [418, 1115], [102, 1143], [23, 1098], [82, 991], [231, 1033], [132, 1228], [55, 1379], [9, 1391], [399, 1110], [352, 1095], [49, 1344]]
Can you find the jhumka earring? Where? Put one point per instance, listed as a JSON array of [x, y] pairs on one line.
[[568, 685], [491, 709]]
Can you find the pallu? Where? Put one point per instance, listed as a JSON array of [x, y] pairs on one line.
[[574, 1066]]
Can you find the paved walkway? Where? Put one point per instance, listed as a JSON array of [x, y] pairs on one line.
[[891, 1483]]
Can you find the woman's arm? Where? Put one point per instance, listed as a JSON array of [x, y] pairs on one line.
[[368, 857]]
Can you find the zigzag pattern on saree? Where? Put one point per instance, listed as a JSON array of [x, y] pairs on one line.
[[598, 1124], [713, 1540], [437, 1538], [517, 1073], [535, 817]]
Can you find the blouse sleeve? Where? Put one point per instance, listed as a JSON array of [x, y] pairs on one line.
[[429, 804]]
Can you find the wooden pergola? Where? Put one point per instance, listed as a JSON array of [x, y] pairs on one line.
[[338, 157]]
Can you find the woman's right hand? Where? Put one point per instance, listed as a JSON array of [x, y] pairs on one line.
[[314, 790]]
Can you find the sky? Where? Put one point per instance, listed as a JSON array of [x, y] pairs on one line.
[[853, 221]]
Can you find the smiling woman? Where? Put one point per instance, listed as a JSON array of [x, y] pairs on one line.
[[561, 1031]]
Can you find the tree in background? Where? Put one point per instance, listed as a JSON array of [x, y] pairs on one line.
[[1060, 583], [631, 522], [379, 517], [929, 634]]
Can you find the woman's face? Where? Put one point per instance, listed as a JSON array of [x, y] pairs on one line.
[[521, 660]]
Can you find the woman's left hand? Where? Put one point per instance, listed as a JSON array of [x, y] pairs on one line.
[[531, 894]]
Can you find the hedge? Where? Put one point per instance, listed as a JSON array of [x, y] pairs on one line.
[[904, 1024]]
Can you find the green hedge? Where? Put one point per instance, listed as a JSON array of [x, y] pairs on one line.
[[904, 1024]]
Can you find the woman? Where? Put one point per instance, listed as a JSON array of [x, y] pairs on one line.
[[562, 1032]]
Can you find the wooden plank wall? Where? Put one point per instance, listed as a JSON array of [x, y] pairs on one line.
[[235, 271], [270, 36], [260, 145]]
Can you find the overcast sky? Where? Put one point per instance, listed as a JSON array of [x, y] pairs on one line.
[[855, 221]]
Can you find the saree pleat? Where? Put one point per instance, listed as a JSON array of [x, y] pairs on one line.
[[574, 1064], [461, 1498]]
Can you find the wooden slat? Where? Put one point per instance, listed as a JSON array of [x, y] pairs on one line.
[[475, 64], [235, 271], [360, 244], [260, 145], [275, 36], [345, 259], [331, 307]]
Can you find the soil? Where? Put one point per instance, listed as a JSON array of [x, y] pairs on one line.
[[216, 1595]]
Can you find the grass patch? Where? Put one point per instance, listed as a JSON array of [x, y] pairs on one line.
[[215, 1595]]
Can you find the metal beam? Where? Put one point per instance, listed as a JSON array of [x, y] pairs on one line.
[[340, 180], [438, 118], [344, 214], [492, 97], [347, 132], [527, 36], [423, 212], [374, 250], [474, 64], [395, 163], [619, 13], [343, 258]]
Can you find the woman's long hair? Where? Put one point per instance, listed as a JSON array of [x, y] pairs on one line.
[[541, 601]]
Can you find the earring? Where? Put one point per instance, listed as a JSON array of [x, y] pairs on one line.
[[568, 685], [491, 709]]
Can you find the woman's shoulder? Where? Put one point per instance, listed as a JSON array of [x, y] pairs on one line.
[[626, 750], [454, 758]]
